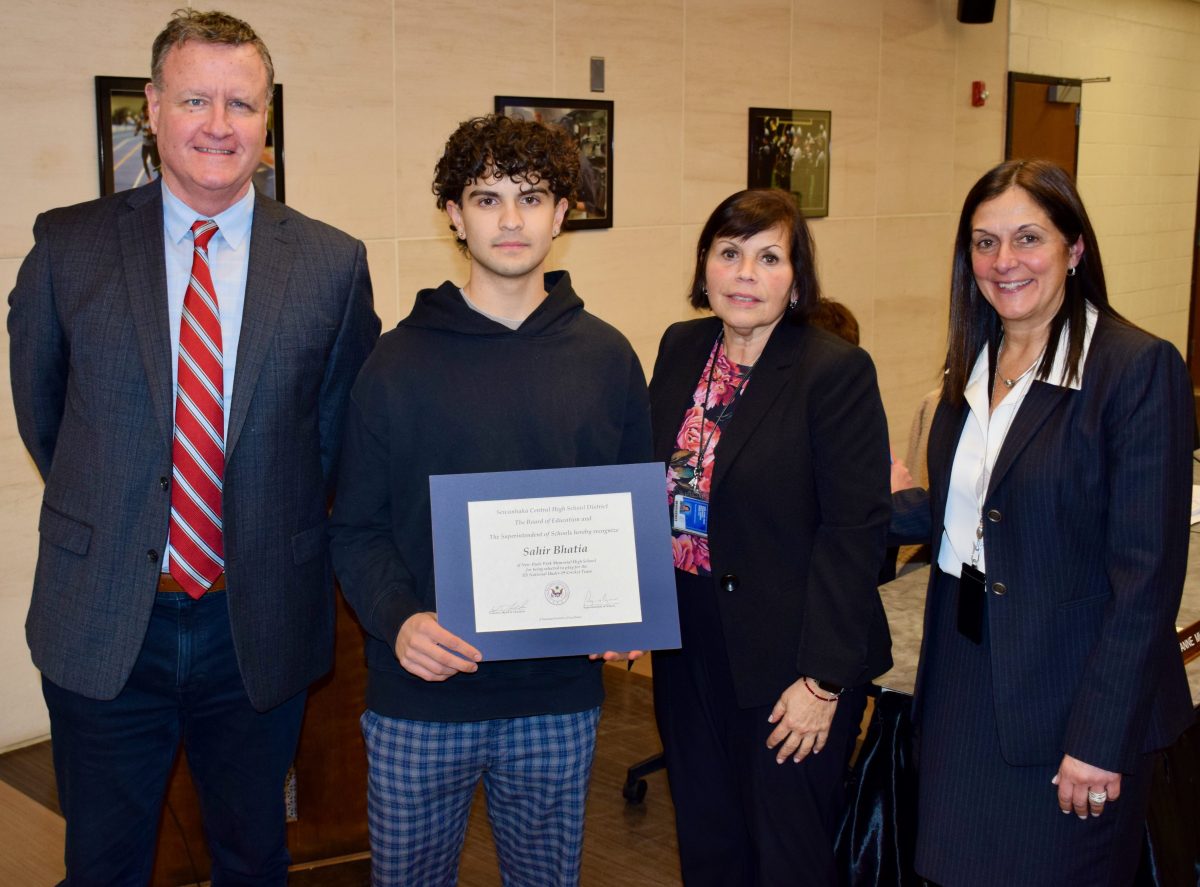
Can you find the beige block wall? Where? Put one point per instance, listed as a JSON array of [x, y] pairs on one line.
[[372, 91], [1138, 138]]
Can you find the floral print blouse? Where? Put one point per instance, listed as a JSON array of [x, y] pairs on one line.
[[702, 423]]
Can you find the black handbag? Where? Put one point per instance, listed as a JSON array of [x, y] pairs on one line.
[[876, 840]]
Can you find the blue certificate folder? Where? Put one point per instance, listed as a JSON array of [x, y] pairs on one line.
[[646, 484]]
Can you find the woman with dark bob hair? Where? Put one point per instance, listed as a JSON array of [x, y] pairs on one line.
[[1058, 502], [777, 484]]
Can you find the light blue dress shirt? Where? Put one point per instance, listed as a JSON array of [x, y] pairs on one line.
[[228, 261]]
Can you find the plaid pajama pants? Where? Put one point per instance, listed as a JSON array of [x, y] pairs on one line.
[[422, 776]]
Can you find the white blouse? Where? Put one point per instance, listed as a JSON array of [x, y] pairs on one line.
[[980, 443]]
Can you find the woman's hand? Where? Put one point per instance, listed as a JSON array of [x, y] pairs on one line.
[[902, 478], [1084, 788], [801, 723]]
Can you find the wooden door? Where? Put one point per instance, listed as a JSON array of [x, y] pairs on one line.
[[1039, 127], [1194, 324]]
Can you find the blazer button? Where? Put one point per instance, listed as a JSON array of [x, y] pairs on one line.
[[164, 483], [152, 556], [999, 588], [994, 515], [729, 582]]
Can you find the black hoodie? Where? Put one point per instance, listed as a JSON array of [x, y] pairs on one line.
[[450, 391]]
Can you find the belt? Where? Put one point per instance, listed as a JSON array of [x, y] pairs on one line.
[[167, 582]]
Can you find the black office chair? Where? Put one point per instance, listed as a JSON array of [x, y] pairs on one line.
[[634, 789]]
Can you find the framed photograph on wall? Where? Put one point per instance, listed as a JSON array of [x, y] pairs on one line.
[[127, 150], [790, 150], [590, 123]]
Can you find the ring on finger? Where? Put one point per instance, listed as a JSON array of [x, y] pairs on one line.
[[1097, 797]]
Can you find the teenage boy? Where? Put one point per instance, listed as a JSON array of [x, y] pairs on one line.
[[506, 372]]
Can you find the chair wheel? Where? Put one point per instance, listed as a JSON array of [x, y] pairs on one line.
[[634, 792]]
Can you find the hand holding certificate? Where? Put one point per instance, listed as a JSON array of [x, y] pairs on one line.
[[556, 562], [432, 653]]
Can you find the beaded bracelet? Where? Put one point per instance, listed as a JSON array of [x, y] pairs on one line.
[[816, 695]]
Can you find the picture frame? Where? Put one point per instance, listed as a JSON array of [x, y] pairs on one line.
[[590, 123], [128, 155], [789, 149]]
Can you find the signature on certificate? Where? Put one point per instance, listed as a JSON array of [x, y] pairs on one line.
[[601, 601], [509, 607]]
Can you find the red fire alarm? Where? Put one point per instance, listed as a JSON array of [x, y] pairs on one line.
[[979, 94]]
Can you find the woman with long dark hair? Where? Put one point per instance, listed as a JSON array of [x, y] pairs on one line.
[[1059, 491]]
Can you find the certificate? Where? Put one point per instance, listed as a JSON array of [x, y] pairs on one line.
[[556, 562], [553, 561]]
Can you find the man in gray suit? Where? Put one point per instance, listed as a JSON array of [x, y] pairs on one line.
[[181, 390]]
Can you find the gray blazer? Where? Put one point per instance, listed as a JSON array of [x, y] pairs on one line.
[[91, 380]]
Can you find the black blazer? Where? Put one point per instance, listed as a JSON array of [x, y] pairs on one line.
[[1086, 534], [800, 506]]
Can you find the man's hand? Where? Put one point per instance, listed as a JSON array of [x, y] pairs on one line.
[[431, 652]]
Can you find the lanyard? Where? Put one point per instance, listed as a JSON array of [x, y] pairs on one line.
[[737, 392]]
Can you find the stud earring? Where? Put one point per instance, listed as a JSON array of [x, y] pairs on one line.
[[462, 235]]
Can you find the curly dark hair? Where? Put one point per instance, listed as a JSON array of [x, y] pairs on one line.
[[497, 147]]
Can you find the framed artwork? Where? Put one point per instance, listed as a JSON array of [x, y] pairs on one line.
[[127, 150], [590, 123], [790, 150]]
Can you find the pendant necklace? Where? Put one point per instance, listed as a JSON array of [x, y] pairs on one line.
[[1011, 383]]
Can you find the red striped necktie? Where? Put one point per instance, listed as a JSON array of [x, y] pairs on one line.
[[198, 453]]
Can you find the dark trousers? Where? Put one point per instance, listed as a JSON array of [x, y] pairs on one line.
[[112, 758], [742, 819]]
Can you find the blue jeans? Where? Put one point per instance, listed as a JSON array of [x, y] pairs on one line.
[[112, 757]]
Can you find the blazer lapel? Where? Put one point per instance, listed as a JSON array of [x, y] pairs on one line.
[[266, 279], [1040, 401], [140, 233], [770, 377], [673, 393]]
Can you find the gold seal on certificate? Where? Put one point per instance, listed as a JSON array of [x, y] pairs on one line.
[[553, 561]]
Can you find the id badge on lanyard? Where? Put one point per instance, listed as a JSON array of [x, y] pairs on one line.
[[690, 511], [689, 515], [972, 603]]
